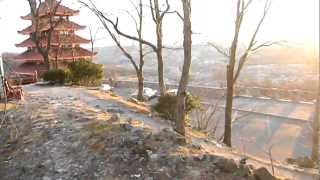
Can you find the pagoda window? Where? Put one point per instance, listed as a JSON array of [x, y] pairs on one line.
[[64, 32], [65, 46]]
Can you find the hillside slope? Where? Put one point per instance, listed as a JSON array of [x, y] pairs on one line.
[[77, 133]]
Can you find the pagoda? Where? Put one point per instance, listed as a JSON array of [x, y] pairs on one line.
[[65, 43]]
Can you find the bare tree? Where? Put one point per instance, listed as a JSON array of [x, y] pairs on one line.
[[316, 121], [187, 45], [139, 29], [235, 64], [157, 17], [43, 40], [93, 38]]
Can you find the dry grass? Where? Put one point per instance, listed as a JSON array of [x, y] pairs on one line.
[[10, 106], [121, 101]]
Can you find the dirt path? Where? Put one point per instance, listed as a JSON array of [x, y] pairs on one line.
[[52, 120]]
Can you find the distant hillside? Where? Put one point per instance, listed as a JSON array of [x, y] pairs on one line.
[[274, 66], [206, 54], [278, 66]]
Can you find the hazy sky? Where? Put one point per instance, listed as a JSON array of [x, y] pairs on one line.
[[213, 20]]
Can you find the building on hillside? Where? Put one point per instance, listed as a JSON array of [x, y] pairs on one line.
[[64, 44]]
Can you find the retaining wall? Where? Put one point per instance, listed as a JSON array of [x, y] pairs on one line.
[[216, 92]]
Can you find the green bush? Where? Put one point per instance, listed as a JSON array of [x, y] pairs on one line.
[[68, 77], [166, 106], [55, 76], [85, 73]]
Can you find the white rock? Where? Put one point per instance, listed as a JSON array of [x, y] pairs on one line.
[[46, 178], [105, 87]]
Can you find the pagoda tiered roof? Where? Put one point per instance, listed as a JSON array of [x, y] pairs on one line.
[[71, 53], [29, 55], [61, 26], [64, 43], [49, 6], [61, 54], [56, 40]]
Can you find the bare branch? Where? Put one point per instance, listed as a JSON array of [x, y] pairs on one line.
[[134, 20], [253, 41], [101, 15], [43, 45], [221, 50], [177, 13], [245, 7], [166, 10], [152, 11], [267, 44]]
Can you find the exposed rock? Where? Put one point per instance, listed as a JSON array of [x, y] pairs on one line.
[[263, 174], [194, 173], [115, 117], [243, 171], [227, 165], [26, 150], [196, 145], [126, 126], [200, 157], [115, 110], [243, 161], [46, 178], [217, 171]]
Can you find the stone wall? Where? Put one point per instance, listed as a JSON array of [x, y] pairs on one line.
[[216, 92]]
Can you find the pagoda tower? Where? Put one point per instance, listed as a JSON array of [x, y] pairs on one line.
[[65, 43]]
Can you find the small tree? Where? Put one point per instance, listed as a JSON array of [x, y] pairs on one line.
[[55, 76], [157, 17], [93, 38], [182, 90], [86, 73], [166, 106], [139, 27], [235, 64]]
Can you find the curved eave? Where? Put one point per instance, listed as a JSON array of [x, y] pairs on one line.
[[69, 25], [74, 57], [27, 17], [24, 32], [68, 54], [75, 53], [55, 42], [74, 13], [29, 56], [26, 43]]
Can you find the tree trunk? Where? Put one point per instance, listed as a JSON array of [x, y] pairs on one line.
[[316, 122], [228, 109], [162, 86], [187, 45], [140, 86], [46, 62]]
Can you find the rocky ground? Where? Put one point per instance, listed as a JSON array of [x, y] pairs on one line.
[[75, 133]]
